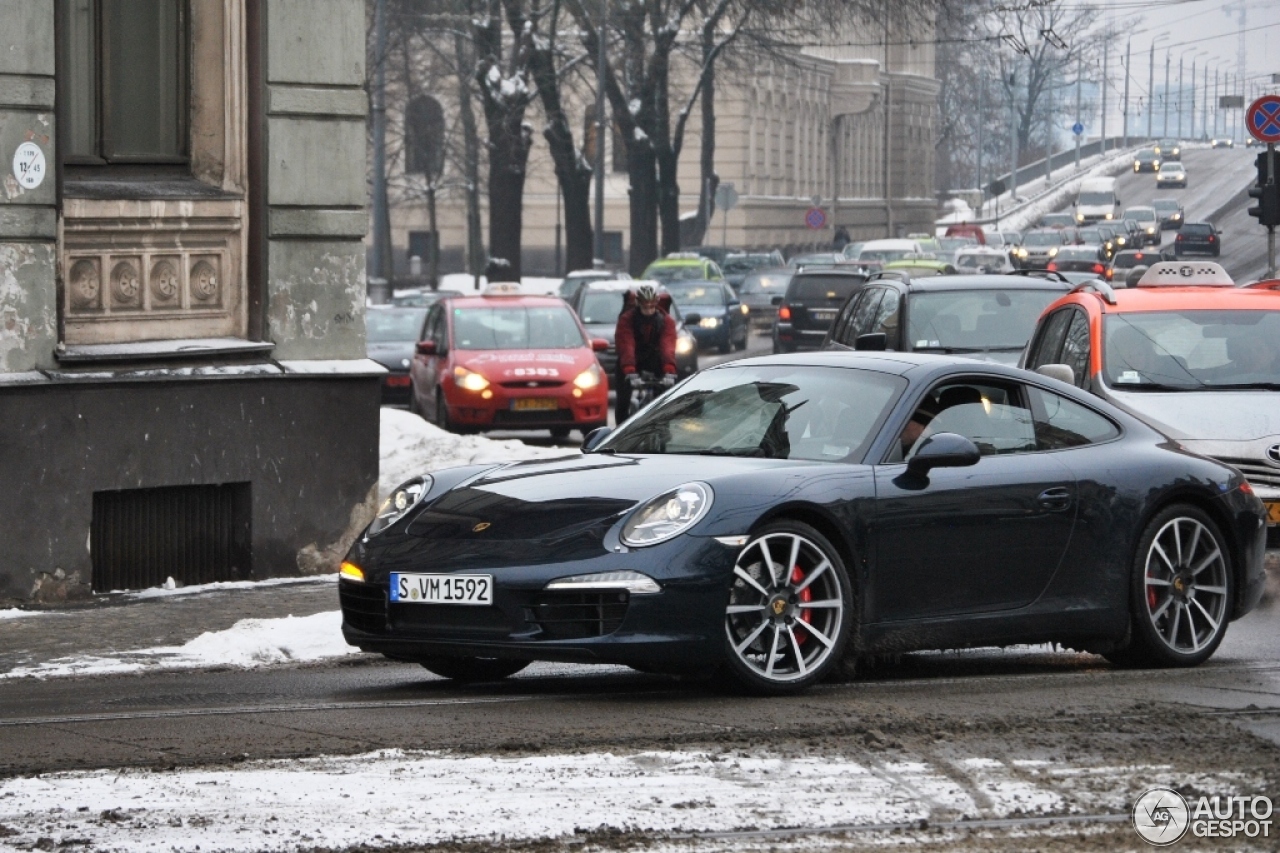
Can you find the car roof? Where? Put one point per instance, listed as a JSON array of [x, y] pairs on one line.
[[502, 300], [984, 282], [680, 262], [1179, 298]]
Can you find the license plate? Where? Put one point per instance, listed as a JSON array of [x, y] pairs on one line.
[[535, 404], [1273, 511], [441, 589], [823, 315]]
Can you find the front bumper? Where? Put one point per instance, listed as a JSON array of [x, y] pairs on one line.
[[679, 628], [468, 408], [396, 388]]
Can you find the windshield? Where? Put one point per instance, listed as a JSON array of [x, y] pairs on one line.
[[1138, 214], [975, 320], [780, 412], [763, 284], [1192, 350], [676, 273], [1070, 253], [387, 326], [1163, 206], [745, 263], [601, 306], [516, 327], [1097, 198], [697, 294], [1034, 239], [884, 255]]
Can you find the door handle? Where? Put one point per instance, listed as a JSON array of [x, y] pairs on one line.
[[1058, 497]]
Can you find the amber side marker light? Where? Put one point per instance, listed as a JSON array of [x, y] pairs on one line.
[[351, 571]]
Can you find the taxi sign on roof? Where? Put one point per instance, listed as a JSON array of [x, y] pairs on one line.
[[1186, 274], [503, 288]]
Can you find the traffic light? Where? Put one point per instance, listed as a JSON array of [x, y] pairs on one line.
[[1267, 210]]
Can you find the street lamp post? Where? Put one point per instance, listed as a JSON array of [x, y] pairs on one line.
[[1125, 112], [1165, 131], [1151, 82]]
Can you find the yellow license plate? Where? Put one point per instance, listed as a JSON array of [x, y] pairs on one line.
[[1273, 511], [535, 404]]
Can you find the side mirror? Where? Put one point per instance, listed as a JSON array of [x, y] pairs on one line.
[[427, 348], [599, 345], [943, 450], [593, 438], [1061, 372], [692, 319], [877, 341], [775, 301]]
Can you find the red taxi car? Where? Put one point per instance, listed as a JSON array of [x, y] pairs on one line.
[[1187, 351], [502, 360]]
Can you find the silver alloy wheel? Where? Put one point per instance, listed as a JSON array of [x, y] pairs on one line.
[[1185, 585], [786, 607]]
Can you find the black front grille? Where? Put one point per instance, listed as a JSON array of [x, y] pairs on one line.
[[543, 416], [577, 615], [364, 606], [194, 534], [534, 383], [1257, 472]]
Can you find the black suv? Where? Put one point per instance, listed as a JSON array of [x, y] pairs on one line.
[[990, 317], [806, 310], [1197, 238]]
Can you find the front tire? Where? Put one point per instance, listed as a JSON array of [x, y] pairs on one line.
[[442, 414], [1180, 591], [473, 669], [790, 610]]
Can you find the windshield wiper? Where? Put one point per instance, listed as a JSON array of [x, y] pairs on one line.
[[968, 349], [1247, 386]]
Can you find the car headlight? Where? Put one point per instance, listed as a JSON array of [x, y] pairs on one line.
[[1079, 217], [1151, 229], [685, 344], [1155, 163], [1053, 251], [709, 322], [589, 378], [398, 504], [667, 515], [1108, 216], [469, 380]]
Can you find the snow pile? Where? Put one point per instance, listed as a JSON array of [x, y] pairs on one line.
[[411, 446]]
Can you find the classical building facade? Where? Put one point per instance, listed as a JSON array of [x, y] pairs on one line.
[[851, 125], [182, 370]]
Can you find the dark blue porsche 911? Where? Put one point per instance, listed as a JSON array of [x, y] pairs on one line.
[[779, 518]]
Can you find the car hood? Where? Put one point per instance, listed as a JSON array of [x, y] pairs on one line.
[[1206, 415], [394, 355], [514, 365], [572, 496]]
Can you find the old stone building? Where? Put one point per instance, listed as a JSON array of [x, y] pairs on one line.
[[182, 375], [850, 123]]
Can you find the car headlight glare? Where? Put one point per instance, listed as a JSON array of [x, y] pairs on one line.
[[589, 378], [709, 322], [1053, 252], [667, 515], [1022, 253], [398, 504], [469, 380], [1108, 216], [685, 345]]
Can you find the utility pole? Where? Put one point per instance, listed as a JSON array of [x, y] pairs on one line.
[[1013, 131], [1217, 101], [888, 130], [1151, 91], [1127, 45], [602, 36], [982, 89], [1191, 134], [1079, 72], [1165, 132], [379, 291], [1103, 134], [1204, 102]]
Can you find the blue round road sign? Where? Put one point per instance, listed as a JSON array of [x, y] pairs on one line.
[[1077, 128], [815, 218], [1263, 119]]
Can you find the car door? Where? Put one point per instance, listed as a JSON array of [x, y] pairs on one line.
[[976, 539], [425, 370], [1063, 338], [733, 313]]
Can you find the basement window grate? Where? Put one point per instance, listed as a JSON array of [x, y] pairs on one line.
[[194, 534]]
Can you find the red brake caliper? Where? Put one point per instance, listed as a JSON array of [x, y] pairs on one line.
[[1151, 596], [806, 595]]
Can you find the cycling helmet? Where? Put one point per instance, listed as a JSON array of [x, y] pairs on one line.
[[646, 293]]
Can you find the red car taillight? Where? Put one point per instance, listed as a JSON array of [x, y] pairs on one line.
[[784, 313], [1052, 267], [1178, 239], [1211, 238], [1099, 268]]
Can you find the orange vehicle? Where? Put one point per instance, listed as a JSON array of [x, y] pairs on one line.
[[1186, 351]]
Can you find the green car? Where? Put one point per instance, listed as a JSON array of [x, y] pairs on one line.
[[920, 267], [683, 266]]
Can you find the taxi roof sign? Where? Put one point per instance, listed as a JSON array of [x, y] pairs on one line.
[[503, 288], [1186, 274]]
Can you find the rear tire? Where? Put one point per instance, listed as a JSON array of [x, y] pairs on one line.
[[469, 670], [725, 347], [442, 414], [1180, 591], [560, 433], [414, 407]]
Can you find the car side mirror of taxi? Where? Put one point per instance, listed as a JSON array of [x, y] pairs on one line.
[[943, 450], [875, 341], [428, 348], [593, 438], [1061, 372], [599, 345]]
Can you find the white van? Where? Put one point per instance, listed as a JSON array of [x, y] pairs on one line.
[[1096, 201]]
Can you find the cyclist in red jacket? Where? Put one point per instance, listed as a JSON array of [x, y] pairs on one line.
[[646, 340]]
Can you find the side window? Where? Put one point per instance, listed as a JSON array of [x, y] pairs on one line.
[[436, 328], [840, 325], [1047, 345], [887, 316], [1075, 348], [994, 416], [1062, 423], [860, 322]]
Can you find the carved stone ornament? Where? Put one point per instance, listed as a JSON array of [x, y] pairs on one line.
[[126, 285], [204, 283], [164, 283], [85, 285]]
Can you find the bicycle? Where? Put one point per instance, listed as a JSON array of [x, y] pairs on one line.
[[650, 387]]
